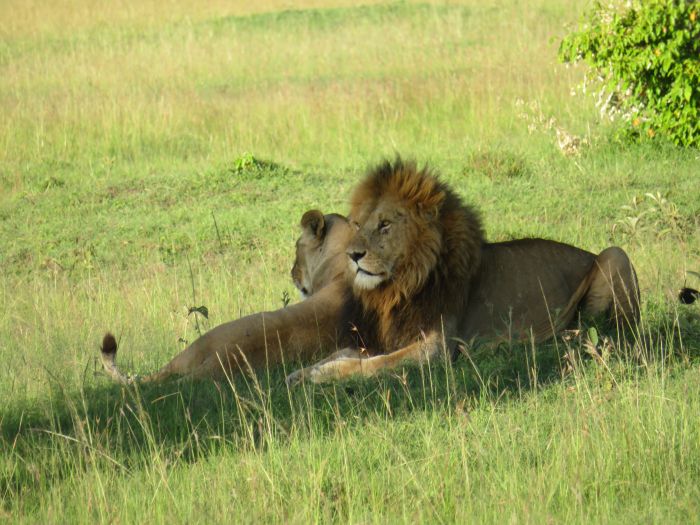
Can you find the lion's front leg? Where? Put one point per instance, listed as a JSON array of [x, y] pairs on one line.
[[350, 363], [307, 373]]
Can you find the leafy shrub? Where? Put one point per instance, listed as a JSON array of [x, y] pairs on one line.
[[646, 59]]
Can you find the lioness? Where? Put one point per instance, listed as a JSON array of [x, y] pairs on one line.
[[423, 277], [299, 331]]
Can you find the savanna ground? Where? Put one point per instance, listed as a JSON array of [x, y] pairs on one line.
[[157, 155]]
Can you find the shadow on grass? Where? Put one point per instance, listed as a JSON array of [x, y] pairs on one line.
[[127, 428]]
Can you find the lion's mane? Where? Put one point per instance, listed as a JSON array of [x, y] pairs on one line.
[[445, 253]]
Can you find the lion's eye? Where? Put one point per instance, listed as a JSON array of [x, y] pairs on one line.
[[355, 225], [384, 226]]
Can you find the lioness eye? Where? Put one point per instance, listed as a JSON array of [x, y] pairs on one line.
[[384, 226], [355, 225]]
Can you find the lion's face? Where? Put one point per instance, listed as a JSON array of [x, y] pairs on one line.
[[384, 248], [321, 244]]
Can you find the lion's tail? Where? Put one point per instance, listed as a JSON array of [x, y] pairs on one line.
[[108, 353]]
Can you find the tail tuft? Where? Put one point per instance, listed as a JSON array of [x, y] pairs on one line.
[[109, 346], [688, 295], [108, 353]]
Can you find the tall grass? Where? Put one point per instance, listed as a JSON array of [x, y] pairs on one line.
[[345, 82], [128, 195]]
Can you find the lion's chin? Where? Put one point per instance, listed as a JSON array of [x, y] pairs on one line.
[[367, 281]]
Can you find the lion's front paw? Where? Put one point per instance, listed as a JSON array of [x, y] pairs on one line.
[[320, 373], [313, 374]]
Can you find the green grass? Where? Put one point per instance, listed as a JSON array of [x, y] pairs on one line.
[[129, 192]]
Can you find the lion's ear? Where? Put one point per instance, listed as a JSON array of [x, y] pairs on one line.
[[429, 213], [429, 207], [312, 221]]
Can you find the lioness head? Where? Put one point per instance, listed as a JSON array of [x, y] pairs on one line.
[[320, 251], [409, 227]]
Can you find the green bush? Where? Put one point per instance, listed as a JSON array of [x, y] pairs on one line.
[[646, 57]]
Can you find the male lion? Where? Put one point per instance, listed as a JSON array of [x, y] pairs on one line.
[[423, 277], [299, 331]]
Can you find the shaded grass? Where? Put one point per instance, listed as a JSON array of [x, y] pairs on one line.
[[585, 442]]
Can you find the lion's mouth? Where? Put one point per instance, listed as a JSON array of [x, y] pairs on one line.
[[366, 272], [366, 280]]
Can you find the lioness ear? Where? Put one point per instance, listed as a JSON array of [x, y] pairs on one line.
[[312, 221]]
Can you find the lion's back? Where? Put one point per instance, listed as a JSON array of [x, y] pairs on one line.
[[522, 284]]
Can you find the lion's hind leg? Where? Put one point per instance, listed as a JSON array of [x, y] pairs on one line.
[[613, 291]]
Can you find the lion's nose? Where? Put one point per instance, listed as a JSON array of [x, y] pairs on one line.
[[356, 255]]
